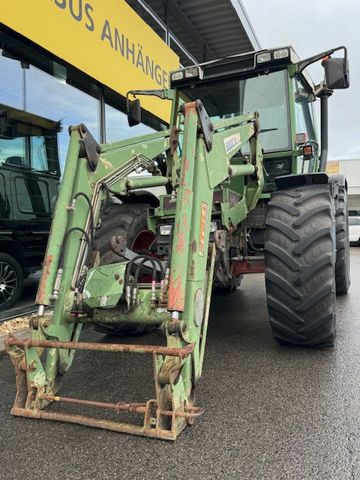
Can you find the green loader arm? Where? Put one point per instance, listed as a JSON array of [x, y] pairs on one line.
[[81, 291]]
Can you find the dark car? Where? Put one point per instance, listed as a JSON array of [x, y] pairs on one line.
[[29, 179]]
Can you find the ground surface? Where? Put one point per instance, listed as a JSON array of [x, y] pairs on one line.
[[272, 412]]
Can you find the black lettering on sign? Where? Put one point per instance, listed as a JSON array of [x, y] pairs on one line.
[[119, 42], [60, 3], [149, 67], [77, 11], [140, 59], [158, 74], [80, 11], [130, 51], [106, 33], [165, 79], [89, 24]]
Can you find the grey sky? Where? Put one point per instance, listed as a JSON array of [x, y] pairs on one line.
[[311, 27]]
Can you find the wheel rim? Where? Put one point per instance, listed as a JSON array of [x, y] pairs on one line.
[[8, 282]]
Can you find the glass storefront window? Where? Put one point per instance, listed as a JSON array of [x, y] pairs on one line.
[[117, 127], [49, 97], [52, 98], [11, 82]]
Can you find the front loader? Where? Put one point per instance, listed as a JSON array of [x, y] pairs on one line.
[[127, 261]]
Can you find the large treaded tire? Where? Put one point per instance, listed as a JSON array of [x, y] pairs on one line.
[[126, 221], [342, 266], [300, 265]]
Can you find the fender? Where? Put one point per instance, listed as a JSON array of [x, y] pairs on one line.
[[288, 181], [140, 196]]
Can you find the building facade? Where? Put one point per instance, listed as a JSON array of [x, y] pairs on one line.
[[351, 170], [73, 61]]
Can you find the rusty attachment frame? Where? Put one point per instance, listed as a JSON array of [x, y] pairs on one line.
[[149, 429], [103, 347], [163, 418], [190, 412]]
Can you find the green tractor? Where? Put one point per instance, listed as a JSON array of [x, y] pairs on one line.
[[245, 190]]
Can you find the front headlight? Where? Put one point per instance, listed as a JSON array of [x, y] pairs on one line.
[[192, 72], [165, 230], [282, 53], [176, 76], [263, 57]]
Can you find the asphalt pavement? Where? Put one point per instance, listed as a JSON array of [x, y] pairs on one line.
[[271, 411]]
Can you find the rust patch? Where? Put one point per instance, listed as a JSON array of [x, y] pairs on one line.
[[193, 246], [190, 107], [175, 298], [180, 247], [185, 168], [44, 277], [180, 244]]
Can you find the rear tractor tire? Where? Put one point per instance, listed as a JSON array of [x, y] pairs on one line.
[[300, 265], [126, 222], [342, 266]]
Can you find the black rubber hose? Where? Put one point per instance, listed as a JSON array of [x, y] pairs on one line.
[[87, 238], [82, 194], [140, 266]]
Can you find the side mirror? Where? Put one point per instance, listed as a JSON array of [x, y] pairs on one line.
[[336, 73], [133, 112]]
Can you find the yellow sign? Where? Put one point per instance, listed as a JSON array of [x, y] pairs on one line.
[[104, 38], [333, 167]]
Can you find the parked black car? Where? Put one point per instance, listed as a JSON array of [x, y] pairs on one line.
[[29, 179]]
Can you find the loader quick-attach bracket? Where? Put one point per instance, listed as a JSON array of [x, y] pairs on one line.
[[89, 148]]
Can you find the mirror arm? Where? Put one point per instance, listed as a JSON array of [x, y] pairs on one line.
[[324, 93], [308, 61], [156, 93]]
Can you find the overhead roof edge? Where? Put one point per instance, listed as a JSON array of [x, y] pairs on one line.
[[246, 23]]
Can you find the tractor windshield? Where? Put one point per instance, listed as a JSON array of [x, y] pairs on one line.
[[266, 94]]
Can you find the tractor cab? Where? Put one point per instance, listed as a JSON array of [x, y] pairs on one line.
[[275, 84]]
